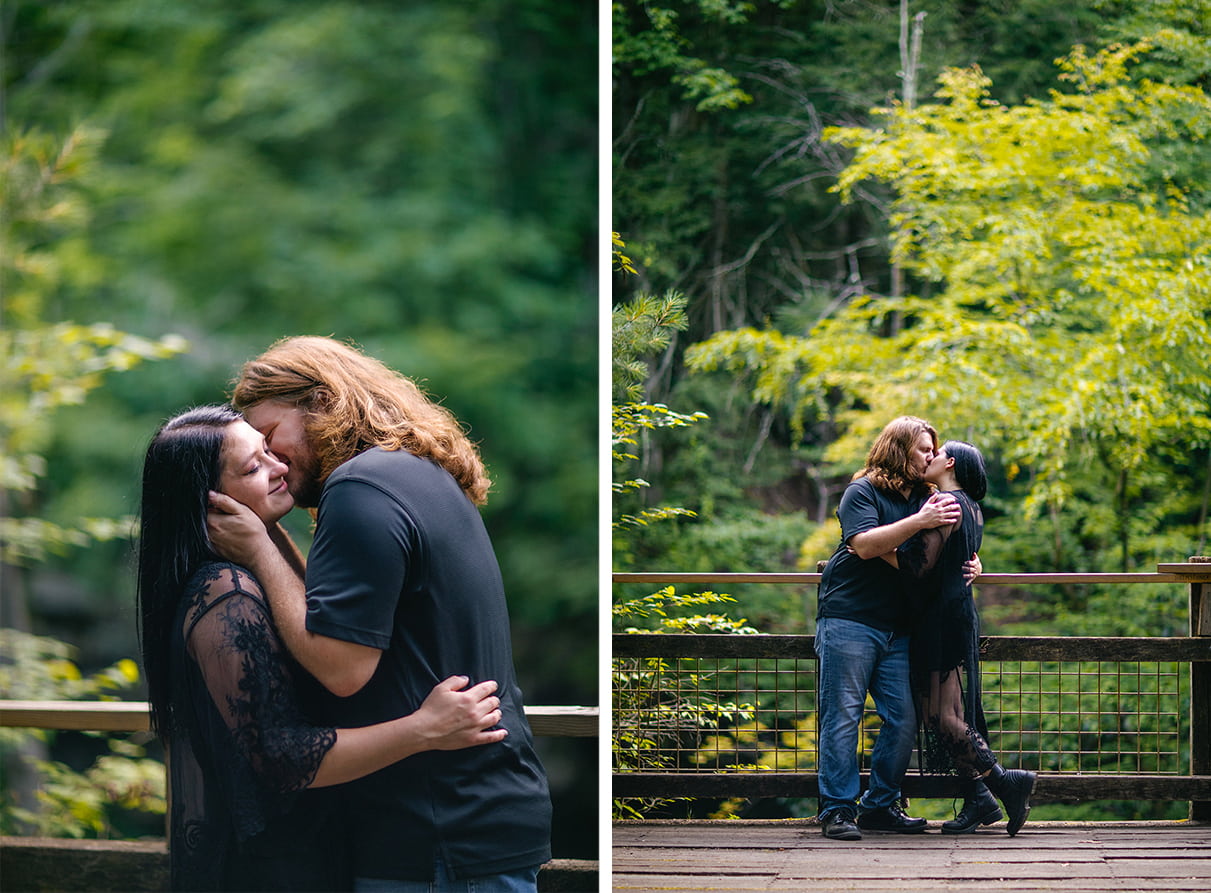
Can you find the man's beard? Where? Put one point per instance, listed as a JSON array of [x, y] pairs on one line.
[[309, 484]]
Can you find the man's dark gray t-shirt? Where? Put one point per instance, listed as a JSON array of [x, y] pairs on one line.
[[868, 590], [402, 562]]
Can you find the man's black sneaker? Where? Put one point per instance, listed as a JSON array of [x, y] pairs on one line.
[[839, 825], [890, 818]]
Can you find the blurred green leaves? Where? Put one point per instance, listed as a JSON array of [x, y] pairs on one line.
[[48, 365], [418, 178]]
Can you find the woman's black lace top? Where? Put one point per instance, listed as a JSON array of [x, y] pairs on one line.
[[241, 750], [946, 630], [945, 618]]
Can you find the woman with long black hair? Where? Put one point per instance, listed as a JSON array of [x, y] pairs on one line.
[[250, 775], [944, 656]]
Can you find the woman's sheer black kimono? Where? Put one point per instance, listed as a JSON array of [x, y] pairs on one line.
[[242, 753], [945, 642]]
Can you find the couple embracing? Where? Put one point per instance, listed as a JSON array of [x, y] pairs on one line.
[[352, 721], [896, 618]]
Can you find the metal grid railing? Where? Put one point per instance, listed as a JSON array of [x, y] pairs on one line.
[[702, 714], [707, 714], [1117, 717]]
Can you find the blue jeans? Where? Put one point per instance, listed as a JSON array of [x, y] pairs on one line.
[[523, 880], [854, 659]]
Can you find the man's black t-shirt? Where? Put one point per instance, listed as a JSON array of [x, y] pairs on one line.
[[868, 590], [402, 562]]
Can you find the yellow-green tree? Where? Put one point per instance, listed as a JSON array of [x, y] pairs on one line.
[[45, 365], [1061, 253]]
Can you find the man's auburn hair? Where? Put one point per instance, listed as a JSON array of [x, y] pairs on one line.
[[354, 402], [887, 464]]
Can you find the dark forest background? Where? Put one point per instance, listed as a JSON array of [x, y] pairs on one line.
[[420, 178], [953, 275]]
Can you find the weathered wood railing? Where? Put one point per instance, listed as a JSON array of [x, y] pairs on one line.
[[132, 716], [46, 864], [1193, 785]]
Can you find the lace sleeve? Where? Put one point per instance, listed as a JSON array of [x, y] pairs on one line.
[[230, 635], [919, 555]]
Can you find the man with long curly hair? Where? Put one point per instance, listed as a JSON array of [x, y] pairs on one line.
[[862, 625], [400, 585]]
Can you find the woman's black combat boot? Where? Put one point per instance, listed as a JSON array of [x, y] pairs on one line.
[[979, 808], [1012, 787]]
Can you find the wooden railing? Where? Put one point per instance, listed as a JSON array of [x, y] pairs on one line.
[[47, 864], [132, 716], [1193, 650]]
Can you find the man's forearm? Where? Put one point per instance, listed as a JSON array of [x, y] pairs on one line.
[[289, 551], [887, 538], [341, 667], [939, 509], [284, 589]]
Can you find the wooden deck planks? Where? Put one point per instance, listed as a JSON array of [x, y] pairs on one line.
[[792, 855]]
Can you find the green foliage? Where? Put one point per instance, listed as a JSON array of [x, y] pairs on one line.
[[652, 39], [729, 203], [641, 328], [72, 803], [44, 368], [87, 804], [1180, 30], [38, 668], [734, 210], [1042, 229], [43, 203], [629, 420], [707, 533], [419, 178], [663, 606], [621, 262], [754, 542], [43, 365], [650, 706]]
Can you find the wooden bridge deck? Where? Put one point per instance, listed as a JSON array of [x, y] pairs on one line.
[[792, 855]]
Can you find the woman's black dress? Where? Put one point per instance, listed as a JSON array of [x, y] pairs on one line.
[[946, 638], [241, 752]]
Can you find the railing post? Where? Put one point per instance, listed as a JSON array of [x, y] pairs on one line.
[[820, 565], [1200, 675]]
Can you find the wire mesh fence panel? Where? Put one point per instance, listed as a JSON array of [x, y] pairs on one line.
[[710, 714], [707, 714], [1114, 717]]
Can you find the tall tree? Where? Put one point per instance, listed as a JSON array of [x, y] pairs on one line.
[[1065, 308], [46, 364]]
